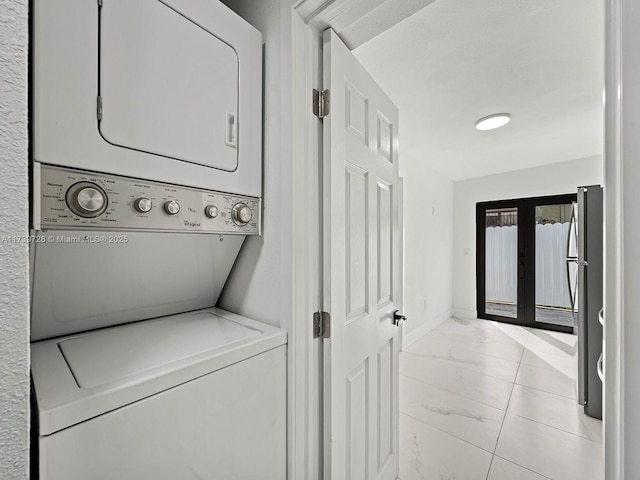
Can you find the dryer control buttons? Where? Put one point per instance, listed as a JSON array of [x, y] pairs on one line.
[[211, 211], [172, 207], [241, 214], [143, 205], [75, 199], [86, 199]]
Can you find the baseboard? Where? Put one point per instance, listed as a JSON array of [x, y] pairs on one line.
[[465, 314], [415, 335]]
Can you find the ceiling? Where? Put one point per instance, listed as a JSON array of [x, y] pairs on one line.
[[357, 21], [455, 61]]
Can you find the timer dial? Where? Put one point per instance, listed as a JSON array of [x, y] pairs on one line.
[[241, 214], [86, 199]]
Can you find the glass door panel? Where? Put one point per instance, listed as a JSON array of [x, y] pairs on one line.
[[522, 272], [555, 270], [501, 260]]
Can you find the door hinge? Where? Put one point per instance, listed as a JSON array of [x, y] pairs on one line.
[[321, 325], [321, 103], [99, 107]]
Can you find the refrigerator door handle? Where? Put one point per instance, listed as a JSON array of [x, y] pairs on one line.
[[570, 233], [572, 255], [571, 292], [601, 368]]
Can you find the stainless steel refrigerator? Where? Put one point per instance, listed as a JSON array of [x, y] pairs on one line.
[[585, 277]]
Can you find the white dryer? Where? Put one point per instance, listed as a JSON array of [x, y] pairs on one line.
[[166, 90]]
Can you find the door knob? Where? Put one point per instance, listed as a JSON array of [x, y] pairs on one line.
[[397, 318]]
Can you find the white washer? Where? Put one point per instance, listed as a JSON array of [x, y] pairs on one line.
[[157, 394], [189, 396]]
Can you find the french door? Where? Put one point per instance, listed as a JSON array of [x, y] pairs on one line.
[[522, 273]]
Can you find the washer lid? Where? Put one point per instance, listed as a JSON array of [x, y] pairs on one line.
[[167, 85], [111, 355]]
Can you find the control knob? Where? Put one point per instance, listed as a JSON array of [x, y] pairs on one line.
[[86, 199], [241, 214], [143, 204], [211, 211], [172, 207]]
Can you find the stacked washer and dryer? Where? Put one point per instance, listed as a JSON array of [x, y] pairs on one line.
[[146, 179]]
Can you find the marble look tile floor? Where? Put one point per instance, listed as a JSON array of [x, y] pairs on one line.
[[490, 401]]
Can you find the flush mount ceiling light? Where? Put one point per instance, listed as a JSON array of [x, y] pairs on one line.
[[493, 121]]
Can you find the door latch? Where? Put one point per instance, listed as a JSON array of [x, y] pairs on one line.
[[397, 318]]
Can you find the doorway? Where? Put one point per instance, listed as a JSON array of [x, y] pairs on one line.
[[522, 276]]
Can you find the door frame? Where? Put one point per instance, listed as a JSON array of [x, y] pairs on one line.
[[619, 52], [526, 254], [304, 367]]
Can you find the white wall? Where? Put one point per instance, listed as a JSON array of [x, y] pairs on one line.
[[428, 214], [557, 178], [14, 260], [260, 283]]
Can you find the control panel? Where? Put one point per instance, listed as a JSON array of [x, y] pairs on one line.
[[68, 198]]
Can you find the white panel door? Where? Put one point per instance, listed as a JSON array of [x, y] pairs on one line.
[[362, 271]]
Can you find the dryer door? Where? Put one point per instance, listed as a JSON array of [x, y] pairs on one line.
[[167, 86]]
